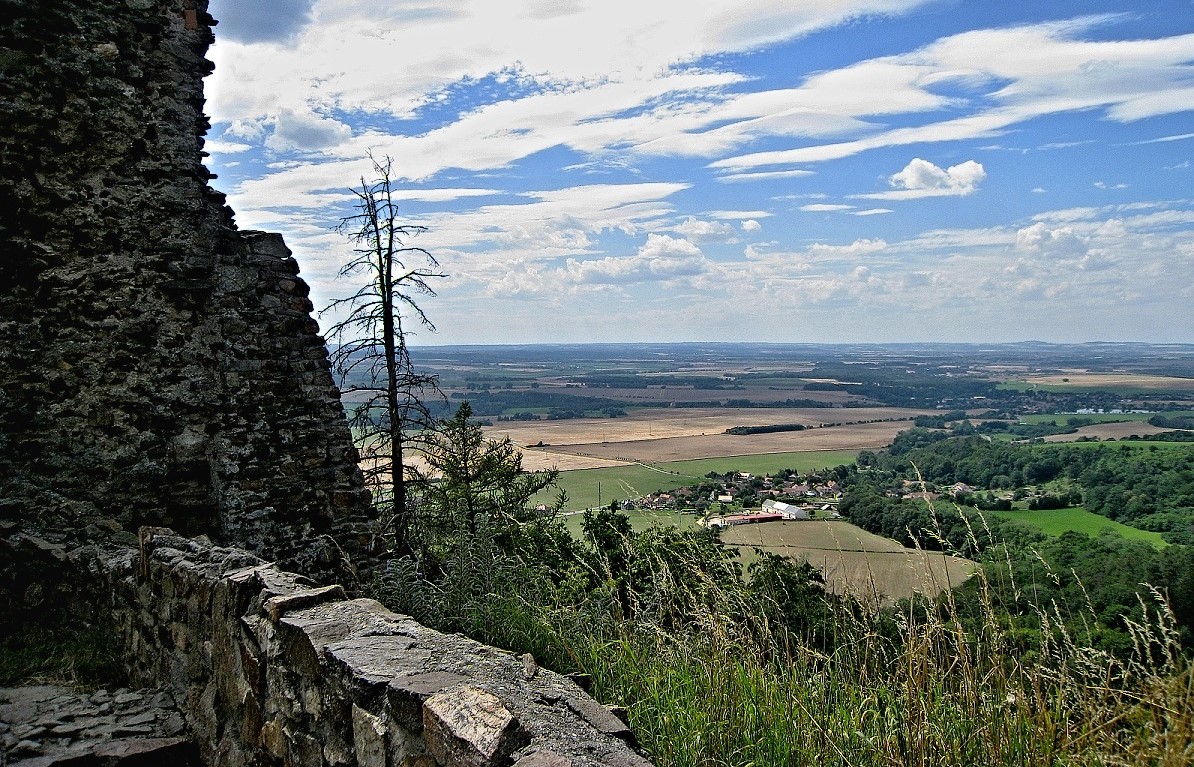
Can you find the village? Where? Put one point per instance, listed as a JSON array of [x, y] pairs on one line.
[[738, 498]]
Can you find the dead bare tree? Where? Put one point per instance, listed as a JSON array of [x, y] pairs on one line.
[[386, 398]]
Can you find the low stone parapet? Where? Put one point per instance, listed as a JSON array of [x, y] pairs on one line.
[[267, 668]]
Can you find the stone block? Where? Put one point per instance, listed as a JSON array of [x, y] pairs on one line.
[[278, 606], [369, 738], [470, 727], [406, 693], [599, 716], [543, 759]]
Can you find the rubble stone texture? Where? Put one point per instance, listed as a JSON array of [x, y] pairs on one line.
[[158, 366], [268, 668], [48, 725]]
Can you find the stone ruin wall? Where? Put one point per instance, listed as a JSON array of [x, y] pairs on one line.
[[268, 668], [157, 366]]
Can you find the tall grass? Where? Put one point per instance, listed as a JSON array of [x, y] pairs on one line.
[[708, 678]]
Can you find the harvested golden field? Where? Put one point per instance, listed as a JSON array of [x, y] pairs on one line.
[[664, 423], [1114, 430], [872, 568], [1085, 380], [852, 437], [537, 459], [662, 395]]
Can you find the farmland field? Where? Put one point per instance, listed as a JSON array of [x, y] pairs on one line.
[[872, 568], [634, 480], [1058, 521], [677, 434], [1088, 380], [1065, 418], [1113, 430], [664, 423]]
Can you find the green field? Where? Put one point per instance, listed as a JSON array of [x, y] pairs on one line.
[[639, 520], [1058, 521], [632, 481]]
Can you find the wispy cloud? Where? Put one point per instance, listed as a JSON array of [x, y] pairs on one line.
[[1010, 76], [1163, 139]]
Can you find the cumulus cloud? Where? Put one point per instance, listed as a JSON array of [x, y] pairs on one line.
[[698, 230], [1057, 243], [660, 258], [306, 131], [249, 130], [750, 225], [857, 248], [921, 178]]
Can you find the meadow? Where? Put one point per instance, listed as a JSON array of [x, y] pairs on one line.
[[1054, 522]]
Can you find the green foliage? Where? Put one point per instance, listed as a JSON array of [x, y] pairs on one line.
[[1129, 483], [1049, 656], [768, 429], [87, 658]]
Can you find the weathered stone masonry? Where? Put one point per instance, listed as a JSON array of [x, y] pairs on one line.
[[160, 368], [157, 366], [269, 669]]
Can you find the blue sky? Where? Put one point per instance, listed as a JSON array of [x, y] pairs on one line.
[[837, 170]]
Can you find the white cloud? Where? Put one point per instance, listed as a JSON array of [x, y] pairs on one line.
[[698, 230], [444, 194], [225, 147], [921, 178], [1164, 139], [825, 208], [857, 248], [1005, 77], [249, 130], [306, 131], [734, 215], [1067, 215], [731, 178], [871, 212], [750, 225], [1056, 243], [660, 258]]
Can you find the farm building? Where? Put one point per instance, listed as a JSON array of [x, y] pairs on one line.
[[786, 510], [731, 520]]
